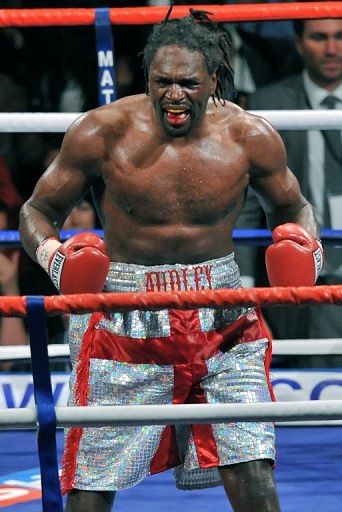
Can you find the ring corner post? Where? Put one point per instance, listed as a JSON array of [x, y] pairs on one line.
[[47, 447]]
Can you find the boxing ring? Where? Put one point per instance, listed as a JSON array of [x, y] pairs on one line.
[[46, 417]]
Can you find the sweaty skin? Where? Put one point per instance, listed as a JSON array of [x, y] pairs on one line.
[[170, 172], [173, 184]]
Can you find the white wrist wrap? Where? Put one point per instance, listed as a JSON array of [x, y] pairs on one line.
[[45, 250], [318, 257]]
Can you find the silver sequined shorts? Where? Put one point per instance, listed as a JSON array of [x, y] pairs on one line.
[[164, 357]]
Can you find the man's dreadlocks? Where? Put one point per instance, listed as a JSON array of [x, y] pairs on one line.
[[197, 32]]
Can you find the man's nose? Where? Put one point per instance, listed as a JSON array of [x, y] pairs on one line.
[[175, 92], [332, 45]]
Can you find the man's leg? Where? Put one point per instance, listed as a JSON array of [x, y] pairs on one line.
[[90, 501], [250, 486]]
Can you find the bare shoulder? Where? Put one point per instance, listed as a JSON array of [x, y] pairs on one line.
[[263, 143], [254, 135], [90, 131], [259, 139], [241, 123]]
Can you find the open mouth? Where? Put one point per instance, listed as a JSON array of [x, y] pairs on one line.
[[176, 115]]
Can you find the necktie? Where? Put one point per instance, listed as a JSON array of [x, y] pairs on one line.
[[333, 181]]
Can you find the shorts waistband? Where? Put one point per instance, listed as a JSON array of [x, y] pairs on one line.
[[216, 273]]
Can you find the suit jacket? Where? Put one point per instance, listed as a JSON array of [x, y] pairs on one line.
[[268, 60], [288, 94]]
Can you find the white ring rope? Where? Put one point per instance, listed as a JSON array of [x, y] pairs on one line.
[[303, 347], [282, 120], [177, 414], [15, 352], [321, 346]]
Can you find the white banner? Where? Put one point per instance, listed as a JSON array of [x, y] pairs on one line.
[[296, 385], [16, 390]]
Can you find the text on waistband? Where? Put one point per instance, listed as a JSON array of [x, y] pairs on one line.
[[197, 277]]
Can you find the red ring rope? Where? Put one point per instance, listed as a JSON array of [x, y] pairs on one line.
[[314, 295], [151, 15]]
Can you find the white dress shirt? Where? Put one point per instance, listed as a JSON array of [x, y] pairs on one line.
[[243, 80], [315, 95]]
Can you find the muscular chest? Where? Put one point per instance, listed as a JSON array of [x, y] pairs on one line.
[[194, 183]]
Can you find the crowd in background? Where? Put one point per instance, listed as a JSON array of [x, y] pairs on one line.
[[54, 69]]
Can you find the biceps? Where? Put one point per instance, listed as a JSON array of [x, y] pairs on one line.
[[58, 190]]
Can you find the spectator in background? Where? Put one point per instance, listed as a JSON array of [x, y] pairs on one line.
[[263, 52], [21, 154], [316, 158], [82, 216], [257, 61], [8, 190], [12, 330], [12, 44], [12, 99], [63, 71]]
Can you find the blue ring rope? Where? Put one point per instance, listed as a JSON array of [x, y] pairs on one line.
[[241, 236]]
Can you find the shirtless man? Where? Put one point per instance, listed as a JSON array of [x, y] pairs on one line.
[[175, 165]]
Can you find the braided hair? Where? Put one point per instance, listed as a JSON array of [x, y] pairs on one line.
[[197, 32]]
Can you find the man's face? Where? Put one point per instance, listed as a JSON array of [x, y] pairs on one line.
[[179, 86], [321, 49]]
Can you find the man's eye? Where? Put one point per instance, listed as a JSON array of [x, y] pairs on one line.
[[318, 37], [190, 85]]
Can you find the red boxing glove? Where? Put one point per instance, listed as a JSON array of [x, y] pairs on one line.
[[79, 265], [295, 258]]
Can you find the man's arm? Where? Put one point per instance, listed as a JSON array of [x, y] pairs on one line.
[[61, 186], [64, 182], [296, 257], [274, 183]]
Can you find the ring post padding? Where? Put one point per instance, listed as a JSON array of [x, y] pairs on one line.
[[47, 448], [105, 56]]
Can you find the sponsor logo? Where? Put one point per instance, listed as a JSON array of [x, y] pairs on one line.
[[56, 268], [17, 391], [318, 260], [295, 386], [105, 60], [20, 487]]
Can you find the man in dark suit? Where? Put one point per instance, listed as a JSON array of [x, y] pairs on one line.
[[258, 60], [316, 158]]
